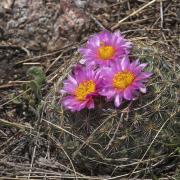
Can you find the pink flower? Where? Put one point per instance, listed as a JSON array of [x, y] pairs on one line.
[[105, 47], [123, 80], [81, 88]]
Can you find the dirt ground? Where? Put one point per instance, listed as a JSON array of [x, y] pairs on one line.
[[39, 139]]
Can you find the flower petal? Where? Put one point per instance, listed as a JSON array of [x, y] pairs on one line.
[[91, 51], [79, 79], [128, 94], [144, 75], [124, 63], [143, 89], [72, 80], [118, 100], [90, 105]]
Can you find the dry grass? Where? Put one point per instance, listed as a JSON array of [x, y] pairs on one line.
[[138, 140]]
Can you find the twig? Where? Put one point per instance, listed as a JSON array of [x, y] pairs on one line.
[[165, 10], [13, 84], [7, 102], [132, 14], [15, 47], [44, 55], [37, 136], [32, 63], [17, 125], [4, 86], [96, 21], [161, 13], [57, 59], [114, 135], [157, 134], [66, 154], [87, 141], [64, 130]]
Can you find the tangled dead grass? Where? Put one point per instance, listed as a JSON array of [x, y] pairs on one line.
[[138, 140]]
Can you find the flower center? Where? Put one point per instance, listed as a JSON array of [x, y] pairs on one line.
[[122, 80], [106, 52], [85, 88]]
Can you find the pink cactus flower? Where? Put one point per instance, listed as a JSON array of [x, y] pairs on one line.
[[81, 88], [104, 48], [123, 79]]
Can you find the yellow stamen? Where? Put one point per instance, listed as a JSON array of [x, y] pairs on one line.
[[106, 52], [84, 89], [122, 80]]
